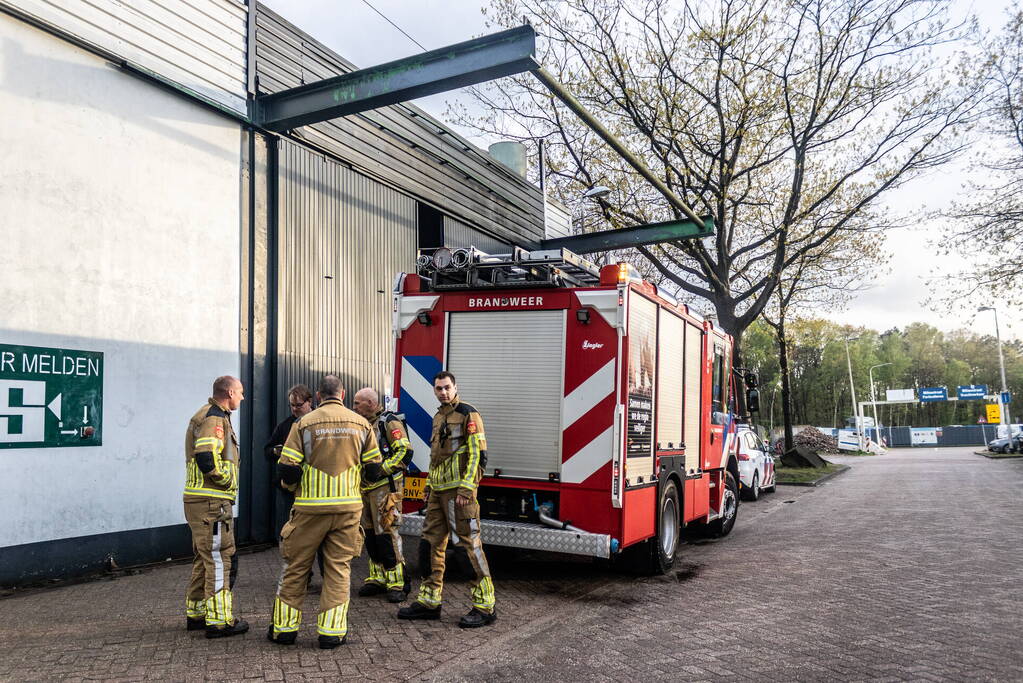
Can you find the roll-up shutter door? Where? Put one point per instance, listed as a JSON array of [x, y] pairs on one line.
[[509, 365], [694, 368], [669, 381]]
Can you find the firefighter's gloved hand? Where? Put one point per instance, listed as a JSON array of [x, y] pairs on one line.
[[373, 472], [462, 501]]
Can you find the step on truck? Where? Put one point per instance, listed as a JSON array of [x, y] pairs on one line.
[[607, 404]]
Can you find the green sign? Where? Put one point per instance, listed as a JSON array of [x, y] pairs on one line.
[[50, 398]]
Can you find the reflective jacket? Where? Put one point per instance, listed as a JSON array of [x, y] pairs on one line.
[[326, 451], [211, 455], [458, 449], [394, 447]]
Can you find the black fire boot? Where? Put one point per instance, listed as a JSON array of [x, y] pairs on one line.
[[330, 642], [286, 638], [418, 610], [239, 627], [396, 595], [195, 624], [476, 618], [371, 588]]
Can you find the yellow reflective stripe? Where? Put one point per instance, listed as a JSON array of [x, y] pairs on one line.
[[446, 475], [398, 450], [319, 488], [396, 577], [371, 454], [333, 622], [209, 441], [286, 618], [340, 500], [213, 493], [297, 456], [472, 463], [431, 597], [483, 594], [220, 608]]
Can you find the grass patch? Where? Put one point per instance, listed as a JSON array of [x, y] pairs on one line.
[[996, 456], [787, 475]]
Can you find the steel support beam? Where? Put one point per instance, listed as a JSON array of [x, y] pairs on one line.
[[635, 236], [455, 66]]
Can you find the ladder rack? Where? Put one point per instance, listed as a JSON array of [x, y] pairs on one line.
[[448, 269]]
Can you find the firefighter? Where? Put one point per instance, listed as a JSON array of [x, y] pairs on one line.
[[458, 452], [324, 459], [381, 501], [211, 486]]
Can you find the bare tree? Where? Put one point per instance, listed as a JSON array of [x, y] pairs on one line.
[[783, 120], [824, 278], [987, 229]]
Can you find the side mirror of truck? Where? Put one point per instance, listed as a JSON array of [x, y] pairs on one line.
[[753, 400]]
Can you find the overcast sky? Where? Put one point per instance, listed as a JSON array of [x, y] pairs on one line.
[[358, 33]]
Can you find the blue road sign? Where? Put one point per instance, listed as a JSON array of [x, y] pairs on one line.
[[933, 394], [1006, 397], [971, 391]]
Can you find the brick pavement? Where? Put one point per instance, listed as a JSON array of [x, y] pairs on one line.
[[907, 567]]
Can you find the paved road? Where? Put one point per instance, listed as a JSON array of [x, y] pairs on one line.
[[907, 567]]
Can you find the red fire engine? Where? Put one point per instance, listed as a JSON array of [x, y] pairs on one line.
[[607, 404]]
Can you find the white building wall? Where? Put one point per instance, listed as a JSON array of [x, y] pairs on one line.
[[198, 44], [120, 225]]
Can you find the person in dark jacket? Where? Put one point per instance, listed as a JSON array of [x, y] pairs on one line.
[[300, 399]]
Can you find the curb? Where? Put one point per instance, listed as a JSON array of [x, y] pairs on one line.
[[818, 481], [998, 456]]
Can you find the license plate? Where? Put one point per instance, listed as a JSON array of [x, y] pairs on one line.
[[414, 487]]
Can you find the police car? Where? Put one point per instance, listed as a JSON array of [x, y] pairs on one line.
[[756, 464]]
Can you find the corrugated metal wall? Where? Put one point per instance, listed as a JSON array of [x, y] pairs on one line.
[[199, 44], [400, 145], [342, 238], [458, 234]]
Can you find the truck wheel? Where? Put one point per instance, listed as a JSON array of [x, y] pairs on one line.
[[722, 526], [753, 492], [664, 546], [657, 555]]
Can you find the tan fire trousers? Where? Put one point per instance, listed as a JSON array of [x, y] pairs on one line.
[[381, 522], [214, 568], [340, 536], [445, 520]]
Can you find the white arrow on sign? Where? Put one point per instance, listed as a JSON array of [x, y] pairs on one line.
[[55, 402], [85, 414]]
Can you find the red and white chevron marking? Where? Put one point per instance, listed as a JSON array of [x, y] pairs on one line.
[[587, 420]]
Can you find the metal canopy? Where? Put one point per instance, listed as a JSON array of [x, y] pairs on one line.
[[455, 66], [635, 236]]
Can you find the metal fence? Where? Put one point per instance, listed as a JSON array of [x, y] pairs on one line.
[[967, 435]]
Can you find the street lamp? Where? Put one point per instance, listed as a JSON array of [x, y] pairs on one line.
[[873, 400], [1006, 420], [852, 389], [597, 191]]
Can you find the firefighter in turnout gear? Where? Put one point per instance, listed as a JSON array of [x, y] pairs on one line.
[[211, 487], [381, 501], [324, 460], [458, 452]]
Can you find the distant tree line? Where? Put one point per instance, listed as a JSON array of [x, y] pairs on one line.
[[920, 356]]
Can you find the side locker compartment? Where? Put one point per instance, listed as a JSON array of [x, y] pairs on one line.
[[697, 491], [692, 431], [640, 501]]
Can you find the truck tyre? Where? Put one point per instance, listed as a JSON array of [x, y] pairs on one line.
[[664, 546], [657, 555], [753, 491], [722, 526]]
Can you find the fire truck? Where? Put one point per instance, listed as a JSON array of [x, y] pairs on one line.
[[607, 404]]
